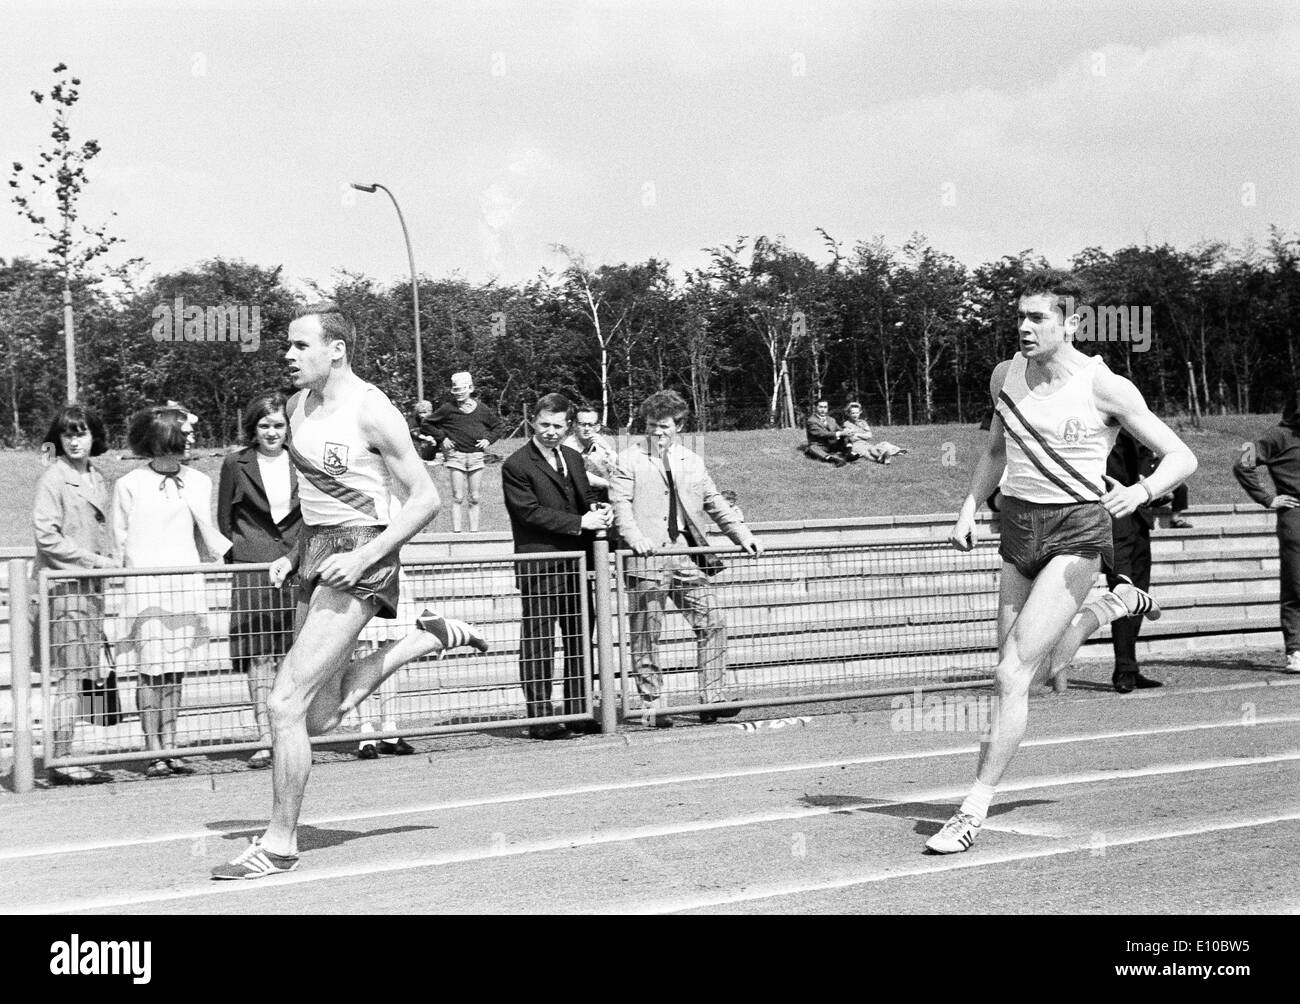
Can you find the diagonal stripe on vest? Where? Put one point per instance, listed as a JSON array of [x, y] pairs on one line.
[[359, 501], [1040, 465], [1047, 449]]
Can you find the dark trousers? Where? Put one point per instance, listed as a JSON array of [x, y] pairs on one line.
[[551, 596], [1288, 545], [1132, 539]]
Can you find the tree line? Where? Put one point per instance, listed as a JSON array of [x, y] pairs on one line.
[[752, 339]]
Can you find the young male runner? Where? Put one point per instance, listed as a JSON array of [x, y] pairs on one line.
[[347, 441], [1057, 414]]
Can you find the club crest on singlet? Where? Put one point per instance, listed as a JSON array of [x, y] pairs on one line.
[[1071, 431], [336, 459]]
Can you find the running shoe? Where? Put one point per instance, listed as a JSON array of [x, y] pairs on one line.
[[1136, 601], [255, 862], [957, 835], [1293, 662], [452, 633], [260, 759]]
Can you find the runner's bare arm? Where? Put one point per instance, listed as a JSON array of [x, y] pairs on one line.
[[1117, 398], [989, 468], [385, 429]]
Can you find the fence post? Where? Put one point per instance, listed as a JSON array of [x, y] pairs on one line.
[[604, 632], [20, 664]]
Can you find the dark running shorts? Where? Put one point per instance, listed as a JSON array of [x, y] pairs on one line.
[[379, 586], [1033, 533]]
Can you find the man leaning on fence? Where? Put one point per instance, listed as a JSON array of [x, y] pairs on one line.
[[552, 508], [661, 493]]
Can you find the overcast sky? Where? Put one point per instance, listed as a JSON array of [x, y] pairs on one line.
[[631, 130]]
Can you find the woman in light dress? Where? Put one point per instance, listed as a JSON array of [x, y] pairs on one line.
[[161, 518]]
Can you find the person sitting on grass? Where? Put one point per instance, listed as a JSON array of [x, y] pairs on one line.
[[858, 436], [826, 440]]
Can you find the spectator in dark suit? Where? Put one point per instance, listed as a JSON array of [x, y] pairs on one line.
[[1278, 452], [257, 508], [826, 440], [552, 507]]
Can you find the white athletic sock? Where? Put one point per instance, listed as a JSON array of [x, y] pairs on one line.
[[977, 802], [1106, 608], [367, 727]]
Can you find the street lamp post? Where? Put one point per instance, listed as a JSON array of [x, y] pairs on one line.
[[415, 285]]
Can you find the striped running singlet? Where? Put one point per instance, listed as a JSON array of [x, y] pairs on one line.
[[1057, 443], [341, 481]]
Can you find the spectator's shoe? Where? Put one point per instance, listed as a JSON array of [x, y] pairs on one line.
[[78, 775], [1146, 683], [1136, 601], [260, 759], [551, 730], [367, 751], [653, 717], [256, 862], [709, 717], [957, 835], [1179, 523], [452, 633], [399, 748], [1292, 662], [180, 768], [158, 768], [587, 727], [1124, 683], [839, 461]]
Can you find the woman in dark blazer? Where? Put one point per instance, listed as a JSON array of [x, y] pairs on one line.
[[257, 508]]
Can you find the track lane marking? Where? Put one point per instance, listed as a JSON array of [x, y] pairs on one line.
[[15, 854], [624, 835], [962, 861]]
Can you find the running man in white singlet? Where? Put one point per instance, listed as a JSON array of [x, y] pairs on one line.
[[1057, 414], [347, 443]]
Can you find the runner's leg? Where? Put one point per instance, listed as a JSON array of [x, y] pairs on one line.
[[1054, 598], [328, 632]]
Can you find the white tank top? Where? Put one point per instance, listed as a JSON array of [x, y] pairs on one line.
[[1057, 443], [340, 481]]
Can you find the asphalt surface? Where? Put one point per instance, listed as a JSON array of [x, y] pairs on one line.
[[1185, 799]]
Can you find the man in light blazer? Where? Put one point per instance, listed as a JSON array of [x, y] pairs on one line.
[[661, 494], [552, 507]]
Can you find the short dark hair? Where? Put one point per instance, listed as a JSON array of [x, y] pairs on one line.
[[258, 408], [822, 400], [1069, 290], [554, 403], [75, 420], [665, 404], [334, 324], [582, 406], [156, 432]]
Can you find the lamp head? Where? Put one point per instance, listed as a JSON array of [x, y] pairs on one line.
[[364, 188]]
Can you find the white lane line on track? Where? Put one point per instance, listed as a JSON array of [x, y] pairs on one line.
[[15, 854], [953, 862], [625, 835]]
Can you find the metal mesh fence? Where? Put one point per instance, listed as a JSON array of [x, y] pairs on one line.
[[802, 623], [165, 663]]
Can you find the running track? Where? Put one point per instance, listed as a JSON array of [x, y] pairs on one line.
[[1180, 800]]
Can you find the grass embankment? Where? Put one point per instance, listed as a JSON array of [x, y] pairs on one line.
[[774, 481]]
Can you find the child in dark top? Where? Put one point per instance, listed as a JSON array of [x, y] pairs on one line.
[[466, 427], [1278, 451]]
